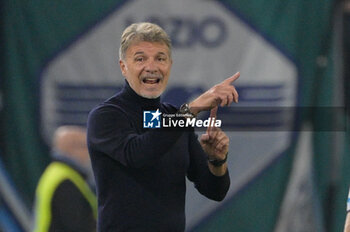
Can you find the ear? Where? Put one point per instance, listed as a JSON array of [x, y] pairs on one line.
[[123, 67]]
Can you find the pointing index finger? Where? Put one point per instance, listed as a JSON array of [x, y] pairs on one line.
[[212, 116], [232, 78], [213, 112]]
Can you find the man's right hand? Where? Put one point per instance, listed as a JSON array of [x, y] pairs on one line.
[[222, 94]]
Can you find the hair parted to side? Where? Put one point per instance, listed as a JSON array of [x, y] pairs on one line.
[[143, 31]]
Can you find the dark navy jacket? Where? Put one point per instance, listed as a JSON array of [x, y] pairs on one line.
[[140, 173]]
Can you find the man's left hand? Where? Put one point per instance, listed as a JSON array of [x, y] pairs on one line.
[[215, 142]]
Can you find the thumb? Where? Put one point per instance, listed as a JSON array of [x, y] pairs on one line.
[[204, 138]]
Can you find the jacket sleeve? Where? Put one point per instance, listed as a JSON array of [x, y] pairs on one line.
[[112, 133], [209, 185]]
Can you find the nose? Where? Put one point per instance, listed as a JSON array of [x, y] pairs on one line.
[[151, 66]]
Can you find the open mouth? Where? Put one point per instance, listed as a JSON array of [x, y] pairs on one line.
[[151, 80]]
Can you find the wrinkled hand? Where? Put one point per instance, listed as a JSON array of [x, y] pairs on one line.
[[215, 142], [222, 94]]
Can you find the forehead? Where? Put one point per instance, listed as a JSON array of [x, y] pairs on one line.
[[149, 48]]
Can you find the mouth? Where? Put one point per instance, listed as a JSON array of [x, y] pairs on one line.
[[151, 80]]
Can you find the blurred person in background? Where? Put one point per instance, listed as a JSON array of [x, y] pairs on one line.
[[64, 200], [347, 221], [140, 173]]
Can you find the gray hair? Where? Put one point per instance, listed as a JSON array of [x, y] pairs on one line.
[[144, 31]]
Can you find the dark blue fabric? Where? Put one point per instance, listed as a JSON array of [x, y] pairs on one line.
[[140, 173]]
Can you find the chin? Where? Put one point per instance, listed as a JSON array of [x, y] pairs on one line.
[[150, 95]]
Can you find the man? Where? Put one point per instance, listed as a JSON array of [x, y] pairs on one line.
[[64, 201], [347, 222], [140, 173]]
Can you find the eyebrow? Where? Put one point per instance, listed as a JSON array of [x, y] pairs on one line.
[[141, 53], [138, 53]]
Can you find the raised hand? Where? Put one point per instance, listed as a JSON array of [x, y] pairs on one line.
[[222, 94], [215, 142]]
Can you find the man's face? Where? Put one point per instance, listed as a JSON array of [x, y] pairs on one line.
[[147, 68]]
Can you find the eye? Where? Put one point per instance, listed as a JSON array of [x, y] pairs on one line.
[[161, 59], [139, 59]]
